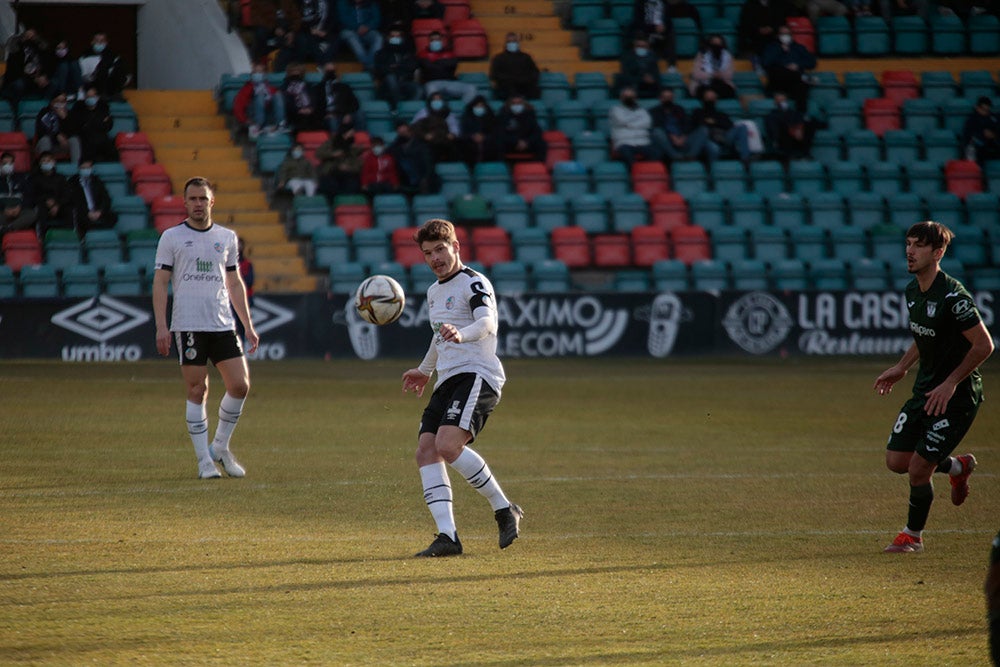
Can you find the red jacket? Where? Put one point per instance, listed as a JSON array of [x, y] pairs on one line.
[[243, 97], [379, 169]]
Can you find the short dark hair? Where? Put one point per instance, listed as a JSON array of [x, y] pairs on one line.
[[200, 182], [436, 229], [931, 233]]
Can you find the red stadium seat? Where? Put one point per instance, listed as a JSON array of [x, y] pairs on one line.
[[900, 85], [963, 177], [881, 114], [351, 217], [17, 144], [133, 149], [167, 211], [691, 244], [531, 178], [404, 248], [571, 245], [649, 179], [649, 245], [421, 30], [802, 32], [612, 251], [468, 39], [456, 10], [150, 181], [558, 146], [668, 210], [311, 140], [21, 248], [491, 245]]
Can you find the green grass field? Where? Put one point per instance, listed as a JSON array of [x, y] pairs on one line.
[[677, 512]]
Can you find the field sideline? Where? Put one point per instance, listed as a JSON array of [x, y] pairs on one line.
[[695, 512]]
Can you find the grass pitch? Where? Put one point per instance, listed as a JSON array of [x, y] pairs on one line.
[[677, 512]]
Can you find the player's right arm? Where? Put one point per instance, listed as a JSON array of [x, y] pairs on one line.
[[161, 280], [415, 379], [896, 372]]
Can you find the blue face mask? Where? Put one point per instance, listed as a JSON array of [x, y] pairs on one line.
[[297, 153], [85, 172], [396, 41], [47, 166], [479, 111], [91, 102], [513, 47], [436, 45], [642, 53], [257, 77], [437, 105], [516, 108], [99, 48]]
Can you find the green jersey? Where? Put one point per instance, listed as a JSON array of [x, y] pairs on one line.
[[938, 318]]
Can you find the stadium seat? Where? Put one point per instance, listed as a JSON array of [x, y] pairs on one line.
[[729, 177], [649, 245], [39, 281], [847, 177], [900, 85], [909, 35], [924, 177], [848, 242], [427, 206], [80, 280], [531, 179], [649, 179], [991, 175], [668, 210], [8, 283], [862, 146], [140, 245], [134, 149], [167, 211], [492, 179], [270, 151], [767, 178], [590, 212], [309, 214], [984, 34], [866, 209], [882, 114], [471, 210], [590, 86], [468, 39], [590, 148], [769, 244], [510, 277], [390, 211], [861, 86], [352, 217], [688, 36], [604, 39], [729, 243], [670, 275], [62, 248], [748, 210], [954, 113], [559, 148], [947, 34], [511, 212], [749, 274], [803, 32], [405, 251], [330, 246], [611, 179], [454, 177], [827, 148], [888, 244], [570, 179], [611, 250], [379, 118], [571, 246], [631, 281], [150, 181], [833, 36], [371, 246], [551, 275], [872, 36], [868, 274], [940, 146], [102, 247], [708, 275], [550, 211], [810, 243], [826, 87], [708, 210], [629, 211], [571, 117], [902, 210], [827, 210], [21, 248], [554, 87], [843, 116], [983, 210], [345, 277], [902, 147], [114, 176], [788, 210], [689, 178], [789, 274], [807, 177], [963, 177], [938, 85], [970, 246], [123, 279], [690, 243], [983, 278], [885, 178], [491, 245], [828, 274], [530, 244], [946, 208]]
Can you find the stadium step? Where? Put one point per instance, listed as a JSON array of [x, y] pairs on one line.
[[184, 123]]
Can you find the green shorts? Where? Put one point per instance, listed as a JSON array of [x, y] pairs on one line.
[[933, 437]]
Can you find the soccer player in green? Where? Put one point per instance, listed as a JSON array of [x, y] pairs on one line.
[[950, 341]]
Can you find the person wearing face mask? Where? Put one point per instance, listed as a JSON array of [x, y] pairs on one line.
[[654, 18], [713, 68], [395, 68], [789, 133], [54, 197], [17, 196], [672, 132], [91, 118], [28, 59], [66, 76], [438, 66], [519, 135], [438, 127], [104, 69], [724, 136], [301, 105], [478, 129], [758, 26], [258, 105], [296, 174], [379, 174], [787, 64], [339, 104], [514, 72], [360, 22], [630, 128], [640, 69], [90, 200], [54, 131]]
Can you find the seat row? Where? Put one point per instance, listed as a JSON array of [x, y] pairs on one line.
[[508, 277], [63, 249], [43, 280]]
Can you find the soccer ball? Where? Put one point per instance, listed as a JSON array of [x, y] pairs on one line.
[[379, 300]]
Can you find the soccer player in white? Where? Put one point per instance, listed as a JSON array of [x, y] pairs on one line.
[[463, 316], [200, 261]]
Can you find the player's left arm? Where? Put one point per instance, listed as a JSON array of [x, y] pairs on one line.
[[486, 319], [238, 297], [980, 349]]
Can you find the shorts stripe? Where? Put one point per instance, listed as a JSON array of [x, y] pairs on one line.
[[465, 421]]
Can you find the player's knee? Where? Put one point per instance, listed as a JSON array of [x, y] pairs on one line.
[[239, 389]]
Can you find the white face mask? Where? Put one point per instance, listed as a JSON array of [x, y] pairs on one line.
[[378, 150], [513, 47], [85, 172], [297, 153], [47, 166], [7, 169], [785, 39]]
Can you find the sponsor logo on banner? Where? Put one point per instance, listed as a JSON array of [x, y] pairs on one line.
[[267, 316], [664, 315], [757, 322], [853, 323], [555, 326], [101, 319]]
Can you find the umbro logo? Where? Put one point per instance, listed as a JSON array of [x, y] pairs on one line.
[[268, 315], [940, 425], [100, 318]]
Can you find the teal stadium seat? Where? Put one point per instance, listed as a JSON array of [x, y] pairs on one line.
[[826, 87], [604, 39], [947, 35], [140, 245], [729, 243], [827, 148], [707, 210], [492, 179], [844, 116], [62, 248], [862, 146], [345, 277], [946, 208], [909, 35], [861, 86], [530, 244], [379, 118], [991, 175], [511, 212], [591, 86], [977, 83], [902, 147], [571, 117], [330, 246], [550, 275], [688, 36], [788, 210], [833, 36], [828, 274], [81, 280], [925, 177], [709, 275], [590, 148], [954, 112], [888, 244], [983, 210], [749, 274], [729, 177], [102, 247], [371, 246], [132, 213], [872, 35], [362, 85], [748, 210], [391, 211], [628, 212], [827, 210], [689, 178], [938, 85], [903, 209], [425, 207], [984, 34], [867, 209], [848, 242], [807, 177], [310, 213], [748, 83], [809, 243], [869, 274], [622, 12], [114, 176], [847, 177], [983, 278], [8, 282], [590, 211], [455, 179], [921, 115], [769, 244], [583, 12], [554, 87], [550, 211], [631, 281], [789, 274], [570, 179], [611, 179], [123, 279], [885, 178], [510, 277], [971, 245], [767, 178], [39, 281], [941, 146], [670, 275]]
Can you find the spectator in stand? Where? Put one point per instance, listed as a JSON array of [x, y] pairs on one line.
[[379, 174], [271, 21], [514, 72], [478, 132], [438, 66], [340, 105], [787, 64], [438, 127], [54, 131], [413, 161], [17, 196], [247, 273], [428, 9], [318, 34], [817, 8], [631, 130], [654, 18], [518, 131], [259, 106], [53, 194], [395, 68], [339, 164], [103, 69], [29, 63], [91, 118], [789, 133], [66, 76], [90, 200], [758, 26], [302, 109], [981, 132], [724, 136], [296, 174], [672, 133], [713, 69], [640, 69], [360, 22]]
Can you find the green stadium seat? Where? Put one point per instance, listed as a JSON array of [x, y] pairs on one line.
[[827, 210], [707, 209], [471, 209], [748, 210], [872, 36], [123, 279], [909, 35], [39, 281], [550, 211], [62, 248], [729, 243], [769, 244], [81, 280], [947, 34]]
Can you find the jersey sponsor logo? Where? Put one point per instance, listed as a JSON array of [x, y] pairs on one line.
[[963, 310], [940, 425], [931, 308], [450, 303], [757, 322], [219, 248], [921, 330]]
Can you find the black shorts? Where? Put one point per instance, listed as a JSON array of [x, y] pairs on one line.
[[464, 400], [197, 348], [933, 437]]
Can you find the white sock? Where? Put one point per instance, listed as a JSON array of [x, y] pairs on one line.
[[230, 410], [913, 533], [197, 423], [437, 495], [476, 472]]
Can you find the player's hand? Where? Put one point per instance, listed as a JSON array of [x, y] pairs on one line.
[[450, 333], [253, 340], [415, 381], [938, 397], [889, 377], [163, 341]]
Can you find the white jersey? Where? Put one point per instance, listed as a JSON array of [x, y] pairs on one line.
[[198, 261], [460, 300]]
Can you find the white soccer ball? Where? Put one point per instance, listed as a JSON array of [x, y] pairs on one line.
[[379, 300]]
